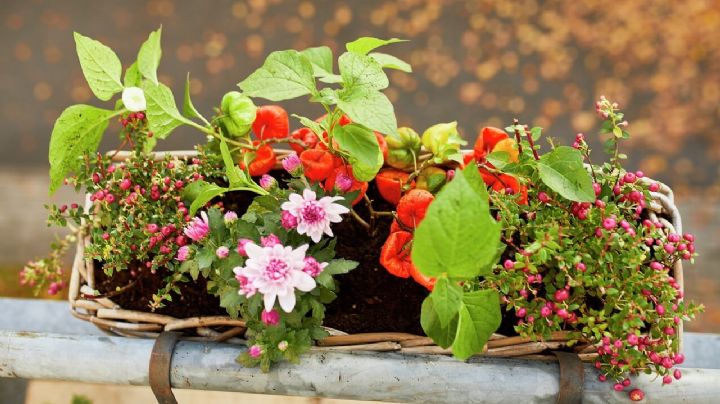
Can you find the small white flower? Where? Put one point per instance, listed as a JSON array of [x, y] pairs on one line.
[[275, 272], [134, 99], [314, 216]]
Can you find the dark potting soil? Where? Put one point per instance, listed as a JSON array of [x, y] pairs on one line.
[[192, 301], [369, 300]]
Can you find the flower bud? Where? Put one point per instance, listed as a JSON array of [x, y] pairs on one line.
[[238, 113]]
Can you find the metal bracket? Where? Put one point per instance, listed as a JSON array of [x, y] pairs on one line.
[[159, 373], [572, 378]]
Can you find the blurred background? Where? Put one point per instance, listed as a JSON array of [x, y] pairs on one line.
[[478, 62]]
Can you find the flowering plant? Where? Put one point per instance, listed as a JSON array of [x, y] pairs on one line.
[[562, 245]]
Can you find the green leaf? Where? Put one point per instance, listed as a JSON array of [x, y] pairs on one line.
[[458, 235], [370, 108], [132, 76], [321, 58], [77, 132], [443, 336], [331, 79], [366, 44], [340, 266], [189, 110], [562, 170], [148, 58], [479, 317], [499, 159], [309, 123], [235, 175], [365, 154], [284, 75], [100, 65], [446, 297], [391, 62], [162, 113], [206, 195], [361, 71]]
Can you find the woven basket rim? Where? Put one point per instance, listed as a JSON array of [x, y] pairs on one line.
[[114, 320]]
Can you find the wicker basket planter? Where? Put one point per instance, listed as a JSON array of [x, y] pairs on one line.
[[113, 319]]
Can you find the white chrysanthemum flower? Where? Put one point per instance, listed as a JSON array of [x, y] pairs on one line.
[[314, 216], [275, 272], [134, 99]]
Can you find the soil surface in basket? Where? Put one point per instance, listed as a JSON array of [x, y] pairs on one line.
[[192, 301], [370, 299]]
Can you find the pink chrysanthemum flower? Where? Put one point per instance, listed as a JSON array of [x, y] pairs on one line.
[[247, 289], [269, 241], [198, 228], [288, 221], [313, 267], [183, 253], [314, 216], [276, 272]]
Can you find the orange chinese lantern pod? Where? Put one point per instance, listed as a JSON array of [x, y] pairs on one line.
[[341, 180], [426, 281], [317, 164], [306, 136], [271, 121], [390, 182], [412, 207], [395, 226], [494, 139], [383, 145], [509, 184], [263, 162], [395, 254]]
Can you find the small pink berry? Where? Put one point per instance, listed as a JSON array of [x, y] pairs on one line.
[[689, 237], [545, 311], [669, 331], [618, 387], [629, 178], [618, 343], [543, 197], [654, 187], [509, 264], [673, 238], [597, 188], [609, 223], [667, 379], [521, 312], [679, 359], [105, 236], [602, 378], [241, 246], [562, 295], [669, 248], [660, 309], [677, 374], [637, 395], [580, 267], [152, 228], [656, 266], [626, 382], [632, 339], [562, 313], [667, 363]]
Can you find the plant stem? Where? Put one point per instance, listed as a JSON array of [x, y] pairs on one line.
[[516, 122], [360, 220], [532, 143]]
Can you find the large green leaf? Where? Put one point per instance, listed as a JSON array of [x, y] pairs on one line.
[[361, 143], [391, 62], [562, 170], [361, 71], [162, 112], [284, 75], [100, 65], [366, 44], [430, 322], [148, 58], [132, 76], [340, 266], [447, 296], [207, 193], [458, 235], [321, 58], [479, 317], [370, 108], [77, 132]]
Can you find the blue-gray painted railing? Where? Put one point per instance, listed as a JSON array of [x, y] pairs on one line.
[[42, 341]]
